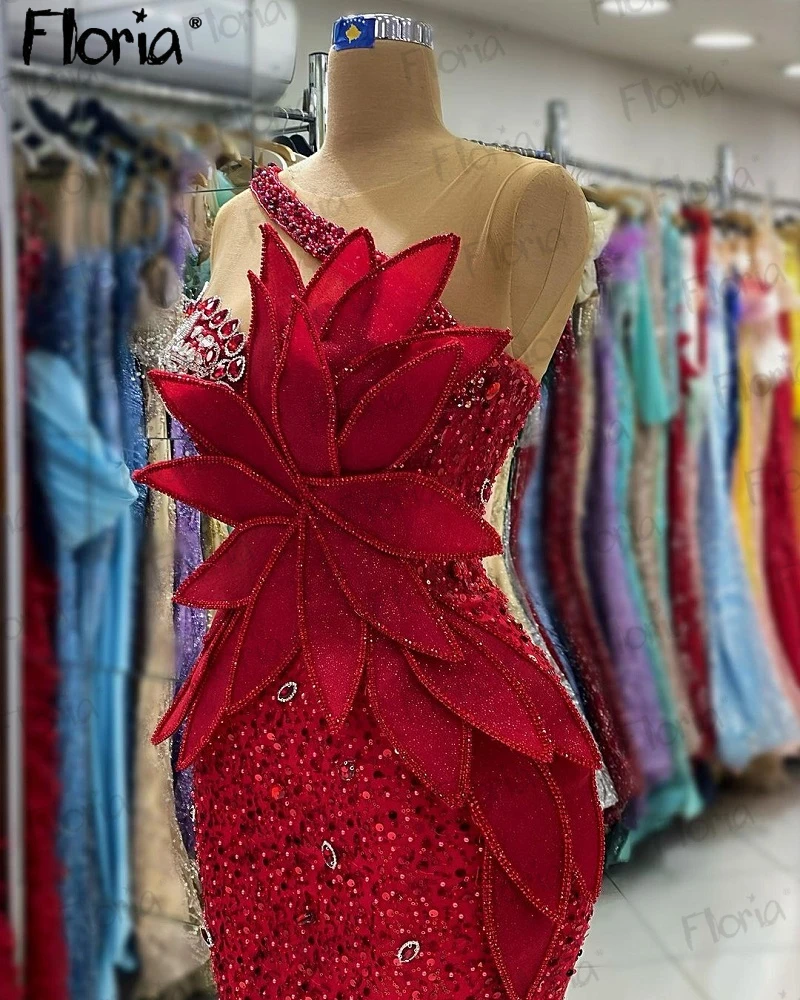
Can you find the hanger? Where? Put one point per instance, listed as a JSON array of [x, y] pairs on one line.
[[39, 135]]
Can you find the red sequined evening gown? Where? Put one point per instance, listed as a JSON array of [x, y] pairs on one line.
[[394, 796]]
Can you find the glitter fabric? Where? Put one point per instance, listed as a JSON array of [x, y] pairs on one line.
[[394, 795]]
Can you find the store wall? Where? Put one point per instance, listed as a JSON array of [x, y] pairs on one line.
[[496, 82]]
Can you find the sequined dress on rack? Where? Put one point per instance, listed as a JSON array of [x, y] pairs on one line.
[[394, 795]]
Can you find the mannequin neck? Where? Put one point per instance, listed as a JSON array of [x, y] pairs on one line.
[[382, 98]]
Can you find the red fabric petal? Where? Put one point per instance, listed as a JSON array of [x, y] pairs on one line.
[[386, 592], [520, 812], [479, 346], [520, 936], [390, 303], [334, 638], [579, 794], [208, 705], [399, 412], [563, 723], [432, 741], [217, 486], [264, 346], [280, 275], [407, 514], [352, 260], [481, 695], [231, 573], [184, 698], [269, 634], [221, 421], [305, 401]]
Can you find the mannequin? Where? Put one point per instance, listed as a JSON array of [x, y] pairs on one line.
[[388, 163], [370, 729]]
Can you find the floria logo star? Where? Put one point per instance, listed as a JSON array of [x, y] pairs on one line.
[[94, 45]]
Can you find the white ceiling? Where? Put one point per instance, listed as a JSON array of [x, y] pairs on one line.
[[663, 41]]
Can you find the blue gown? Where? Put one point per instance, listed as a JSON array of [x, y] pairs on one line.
[[87, 489], [751, 713]]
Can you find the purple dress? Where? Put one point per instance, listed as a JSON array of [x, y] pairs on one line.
[[605, 564]]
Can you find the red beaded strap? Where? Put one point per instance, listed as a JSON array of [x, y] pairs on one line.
[[313, 233]]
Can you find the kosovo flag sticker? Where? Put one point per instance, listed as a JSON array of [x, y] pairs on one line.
[[353, 33]]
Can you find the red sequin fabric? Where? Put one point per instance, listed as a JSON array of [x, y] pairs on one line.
[[394, 796]]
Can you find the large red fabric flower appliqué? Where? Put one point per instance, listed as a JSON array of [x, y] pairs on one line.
[[310, 459], [343, 385]]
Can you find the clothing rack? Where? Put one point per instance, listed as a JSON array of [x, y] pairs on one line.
[[140, 90], [13, 819], [311, 118], [722, 183]]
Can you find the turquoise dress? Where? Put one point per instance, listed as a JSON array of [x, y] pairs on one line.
[[641, 393]]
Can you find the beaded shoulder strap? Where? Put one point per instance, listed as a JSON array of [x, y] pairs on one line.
[[313, 233]]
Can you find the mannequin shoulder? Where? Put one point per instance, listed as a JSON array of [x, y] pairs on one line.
[[236, 227], [550, 212]]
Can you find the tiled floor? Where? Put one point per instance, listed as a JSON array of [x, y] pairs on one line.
[[707, 912]]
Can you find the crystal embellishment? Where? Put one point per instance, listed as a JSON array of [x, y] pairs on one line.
[[287, 691], [408, 951], [329, 854], [208, 343]]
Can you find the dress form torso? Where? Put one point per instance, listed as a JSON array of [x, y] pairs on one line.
[[390, 164]]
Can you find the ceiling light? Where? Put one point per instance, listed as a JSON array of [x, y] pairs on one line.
[[723, 40], [635, 8], [793, 69]]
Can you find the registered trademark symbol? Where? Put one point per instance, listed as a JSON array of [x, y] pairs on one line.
[[195, 22]]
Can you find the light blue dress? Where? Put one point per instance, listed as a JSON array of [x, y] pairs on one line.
[[87, 489], [751, 713]]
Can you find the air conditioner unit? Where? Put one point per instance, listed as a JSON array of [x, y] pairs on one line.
[[235, 49]]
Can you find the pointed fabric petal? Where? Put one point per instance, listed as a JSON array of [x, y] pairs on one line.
[[231, 573], [432, 741], [305, 400], [221, 421], [208, 706], [264, 347], [391, 302], [269, 633], [182, 702], [408, 514], [562, 722], [398, 413], [579, 794], [520, 936], [479, 346], [352, 260], [333, 637], [519, 810], [220, 487], [386, 592], [479, 694], [280, 274]]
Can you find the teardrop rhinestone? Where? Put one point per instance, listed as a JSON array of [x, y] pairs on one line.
[[236, 368], [234, 344]]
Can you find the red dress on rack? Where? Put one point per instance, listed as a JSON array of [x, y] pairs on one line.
[[685, 583], [568, 579], [781, 548], [394, 795]]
